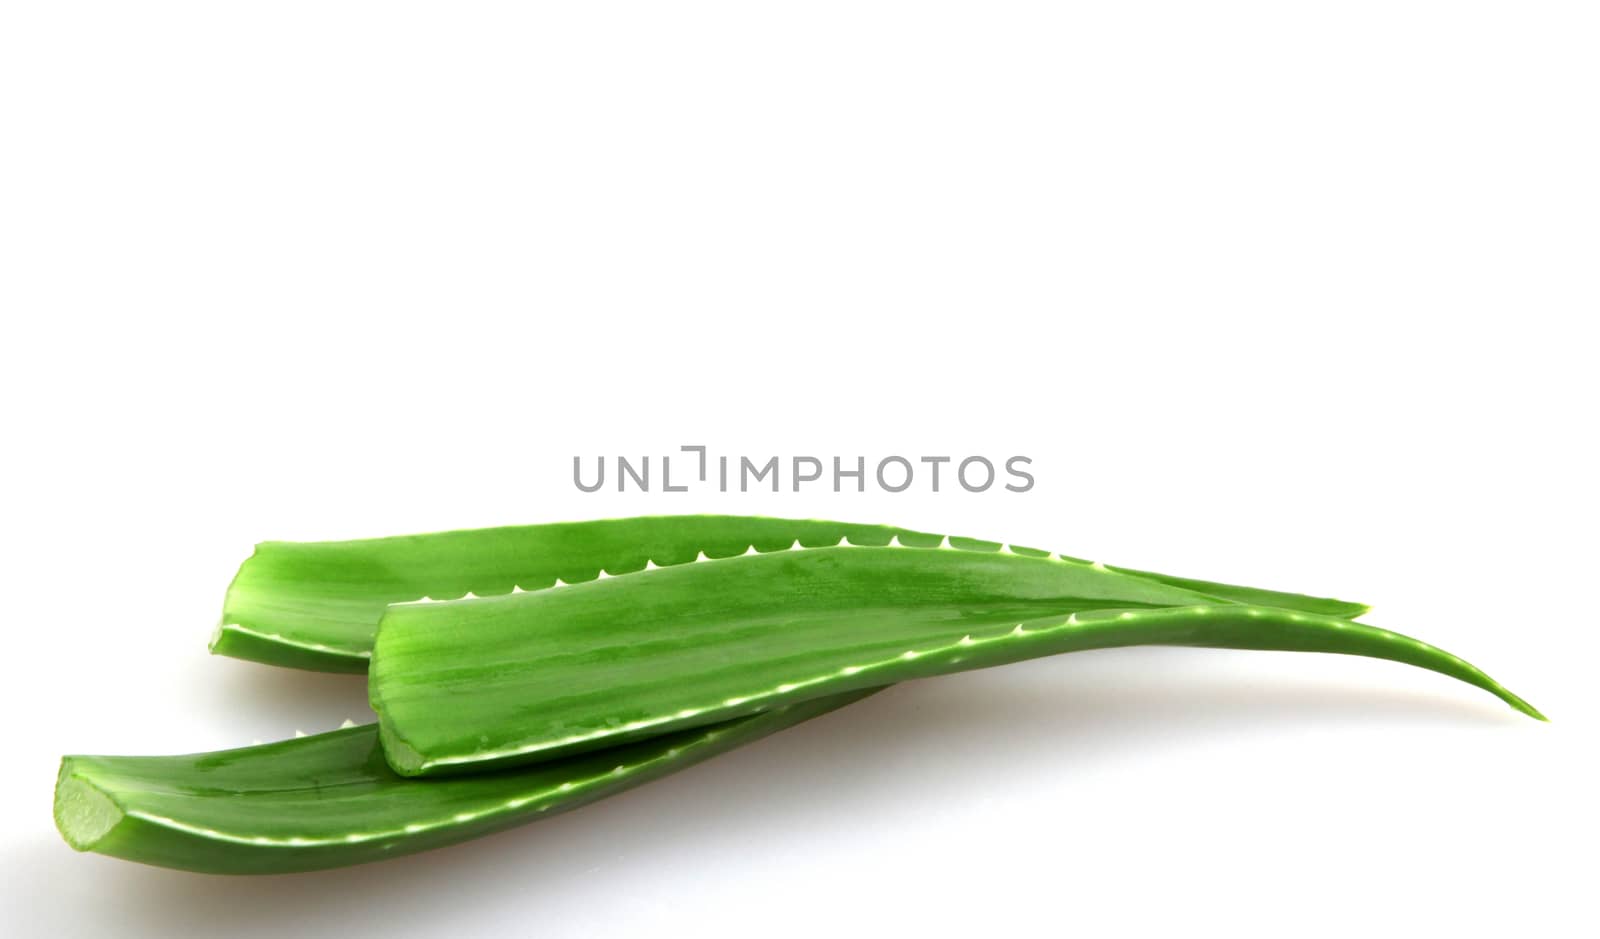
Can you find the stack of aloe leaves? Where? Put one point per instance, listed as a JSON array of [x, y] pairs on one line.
[[520, 672]]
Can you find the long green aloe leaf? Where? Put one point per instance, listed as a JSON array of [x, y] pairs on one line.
[[330, 800], [483, 683], [316, 605]]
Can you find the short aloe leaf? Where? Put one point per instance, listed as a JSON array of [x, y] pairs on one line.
[[330, 800], [477, 684], [316, 605], [1252, 596]]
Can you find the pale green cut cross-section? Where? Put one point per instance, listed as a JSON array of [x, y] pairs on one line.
[[84, 813]]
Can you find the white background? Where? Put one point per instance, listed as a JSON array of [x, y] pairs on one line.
[[1296, 295]]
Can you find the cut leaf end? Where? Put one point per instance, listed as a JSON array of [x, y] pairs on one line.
[[84, 813]]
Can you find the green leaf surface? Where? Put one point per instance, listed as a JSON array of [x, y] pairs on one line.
[[330, 800], [511, 680], [316, 605]]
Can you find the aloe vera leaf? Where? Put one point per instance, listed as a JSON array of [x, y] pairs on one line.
[[330, 800], [316, 605], [476, 684]]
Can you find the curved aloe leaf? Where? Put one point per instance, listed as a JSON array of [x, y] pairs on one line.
[[330, 800], [476, 684], [316, 605]]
